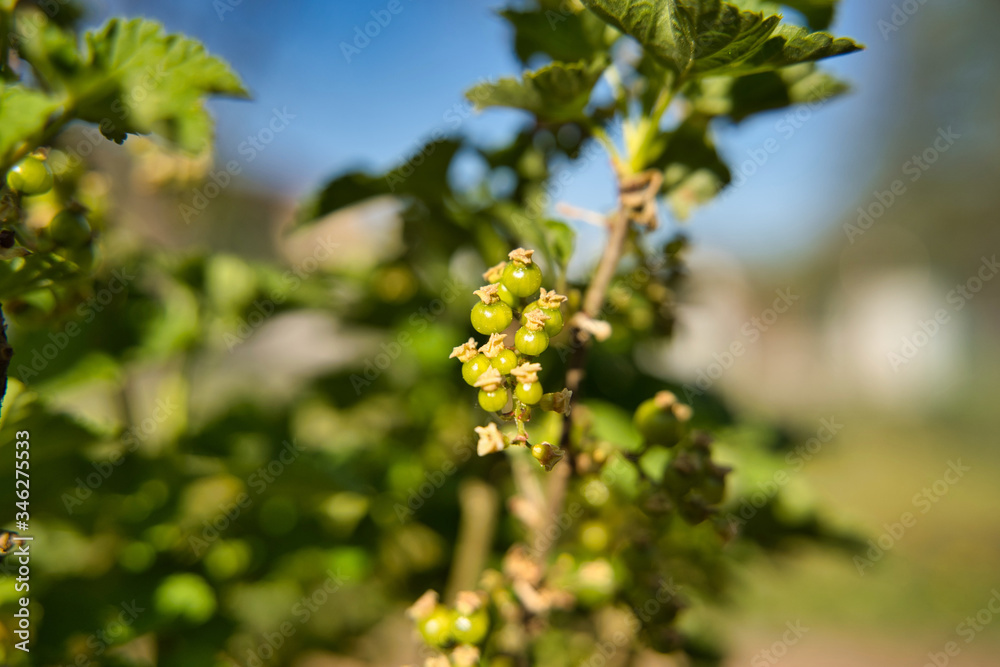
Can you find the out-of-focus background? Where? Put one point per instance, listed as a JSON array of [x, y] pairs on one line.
[[855, 258]]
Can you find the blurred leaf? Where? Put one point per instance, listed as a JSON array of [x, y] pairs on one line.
[[614, 425], [423, 176], [693, 172], [741, 97], [561, 240], [560, 33], [23, 114], [556, 92], [137, 79]]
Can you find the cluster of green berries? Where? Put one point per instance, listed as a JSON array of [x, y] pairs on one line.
[[495, 368], [68, 233], [693, 481], [458, 630], [507, 376]]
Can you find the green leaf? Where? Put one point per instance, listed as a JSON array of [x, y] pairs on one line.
[[557, 92], [423, 175], [51, 50], [561, 240], [696, 38], [740, 97], [23, 115], [689, 37], [791, 45], [613, 424], [137, 79], [562, 34], [693, 172]]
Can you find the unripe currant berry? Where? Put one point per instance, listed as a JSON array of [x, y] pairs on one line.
[[528, 389], [557, 402], [522, 279], [506, 296], [550, 304], [30, 176], [500, 357], [436, 627], [474, 368], [662, 420], [547, 455], [69, 228], [522, 276], [530, 343], [493, 394], [505, 361], [490, 315], [470, 629], [528, 393], [493, 401], [554, 324]]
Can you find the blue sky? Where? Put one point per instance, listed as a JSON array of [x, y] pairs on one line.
[[377, 108]]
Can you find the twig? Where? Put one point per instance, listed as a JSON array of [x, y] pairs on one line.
[[593, 303], [479, 503]]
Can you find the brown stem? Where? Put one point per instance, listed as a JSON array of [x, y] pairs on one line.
[[593, 303]]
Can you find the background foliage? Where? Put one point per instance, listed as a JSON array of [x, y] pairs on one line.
[[178, 394]]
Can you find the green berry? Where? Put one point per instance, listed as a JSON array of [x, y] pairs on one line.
[[504, 361], [69, 229], [83, 257], [528, 393], [436, 628], [30, 176], [530, 343], [594, 536], [493, 401], [660, 425], [473, 368], [554, 324], [522, 279], [506, 296], [470, 629], [491, 318]]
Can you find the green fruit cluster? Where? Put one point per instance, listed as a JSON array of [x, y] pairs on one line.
[[507, 376], [693, 481], [461, 628], [493, 368]]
